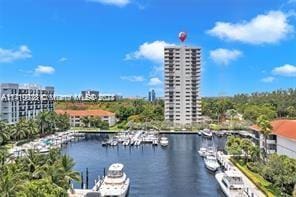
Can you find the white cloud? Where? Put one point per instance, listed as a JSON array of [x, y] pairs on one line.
[[133, 78], [41, 69], [268, 79], [10, 55], [286, 70], [153, 51], [119, 3], [265, 28], [154, 81], [224, 56], [63, 59]]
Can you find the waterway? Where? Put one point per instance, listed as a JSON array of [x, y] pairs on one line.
[[176, 170]]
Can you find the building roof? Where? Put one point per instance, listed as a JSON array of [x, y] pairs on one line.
[[95, 112], [283, 128]]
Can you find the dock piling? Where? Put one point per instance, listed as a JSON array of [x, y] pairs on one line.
[[86, 178]]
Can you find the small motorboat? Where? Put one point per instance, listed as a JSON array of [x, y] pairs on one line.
[[164, 141], [126, 142], [207, 133], [211, 163]]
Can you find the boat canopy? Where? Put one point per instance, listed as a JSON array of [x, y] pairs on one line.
[[115, 170]]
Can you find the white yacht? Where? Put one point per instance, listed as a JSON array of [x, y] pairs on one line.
[[116, 183], [211, 163], [114, 143], [164, 141], [207, 133], [231, 183], [126, 142]]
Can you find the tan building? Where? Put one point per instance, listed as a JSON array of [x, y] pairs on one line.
[[76, 115], [182, 67]]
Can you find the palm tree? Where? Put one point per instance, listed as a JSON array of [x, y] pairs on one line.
[[33, 163], [43, 120], [63, 122], [32, 128], [21, 129], [86, 121], [265, 128], [10, 181], [4, 133], [3, 156], [67, 165]]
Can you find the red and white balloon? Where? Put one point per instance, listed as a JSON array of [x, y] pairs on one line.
[[182, 36]]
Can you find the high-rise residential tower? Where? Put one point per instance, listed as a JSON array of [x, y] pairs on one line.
[[182, 66]]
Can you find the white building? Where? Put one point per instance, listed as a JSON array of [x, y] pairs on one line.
[[76, 115], [109, 97], [182, 66], [24, 101], [282, 139]]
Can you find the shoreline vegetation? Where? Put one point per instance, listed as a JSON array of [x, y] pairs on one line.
[[35, 174], [274, 175]]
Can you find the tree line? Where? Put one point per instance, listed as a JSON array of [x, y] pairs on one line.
[[37, 175], [126, 110], [275, 104], [94, 122], [46, 122]]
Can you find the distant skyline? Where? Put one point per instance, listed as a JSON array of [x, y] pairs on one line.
[[116, 46]]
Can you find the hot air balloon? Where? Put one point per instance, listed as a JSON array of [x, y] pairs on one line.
[[182, 36]]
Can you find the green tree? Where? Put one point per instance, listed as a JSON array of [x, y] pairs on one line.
[[41, 188], [63, 122], [43, 120], [265, 129], [4, 132], [21, 129], [291, 110], [86, 121], [247, 147], [233, 146], [32, 128]]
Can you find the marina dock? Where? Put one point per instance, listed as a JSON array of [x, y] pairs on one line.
[[251, 188]]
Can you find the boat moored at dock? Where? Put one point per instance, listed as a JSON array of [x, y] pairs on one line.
[[164, 141], [207, 133], [115, 184], [211, 163], [231, 183]]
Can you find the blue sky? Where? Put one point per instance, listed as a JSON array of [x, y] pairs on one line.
[[116, 46]]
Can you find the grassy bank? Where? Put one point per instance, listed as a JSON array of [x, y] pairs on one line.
[[262, 184]]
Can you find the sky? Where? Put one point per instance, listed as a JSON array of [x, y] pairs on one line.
[[116, 46]]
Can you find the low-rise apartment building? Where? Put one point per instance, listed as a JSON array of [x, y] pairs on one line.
[[76, 115], [282, 139], [24, 101]]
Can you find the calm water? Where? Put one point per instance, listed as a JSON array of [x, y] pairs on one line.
[[176, 170]]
